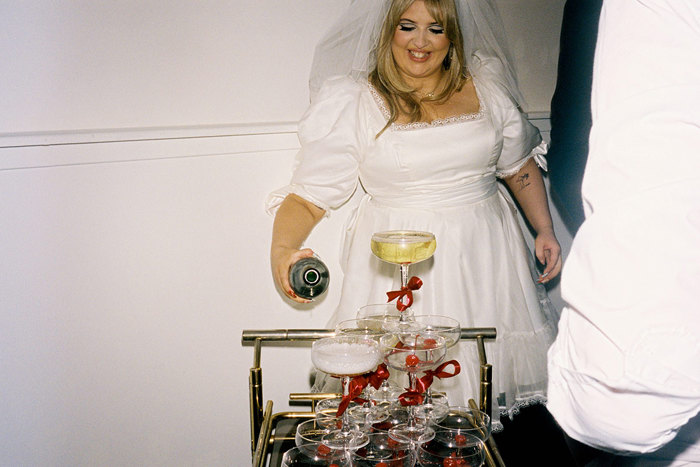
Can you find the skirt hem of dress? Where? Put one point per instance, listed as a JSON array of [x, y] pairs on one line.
[[497, 426]]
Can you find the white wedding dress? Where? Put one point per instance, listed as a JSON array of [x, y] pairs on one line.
[[442, 178]]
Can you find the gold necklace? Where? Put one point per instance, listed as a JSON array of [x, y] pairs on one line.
[[423, 95], [431, 94]]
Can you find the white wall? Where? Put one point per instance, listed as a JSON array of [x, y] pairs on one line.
[[138, 140]]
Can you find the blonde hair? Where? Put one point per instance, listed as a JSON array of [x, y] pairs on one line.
[[386, 77]]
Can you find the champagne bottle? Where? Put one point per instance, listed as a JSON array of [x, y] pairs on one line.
[[309, 277]]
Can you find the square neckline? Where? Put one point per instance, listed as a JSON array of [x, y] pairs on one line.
[[439, 122]]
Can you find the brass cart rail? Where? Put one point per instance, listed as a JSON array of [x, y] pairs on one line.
[[263, 420]]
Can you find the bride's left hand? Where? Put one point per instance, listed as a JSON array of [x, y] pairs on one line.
[[548, 253]]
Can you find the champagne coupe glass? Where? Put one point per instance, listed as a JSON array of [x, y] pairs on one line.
[[398, 414], [403, 247], [366, 414], [363, 417], [464, 450], [435, 408], [412, 353], [309, 455], [345, 357], [310, 433], [383, 451], [389, 317], [326, 410], [370, 327], [384, 312], [466, 420], [447, 327]]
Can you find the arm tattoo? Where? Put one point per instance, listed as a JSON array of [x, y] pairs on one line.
[[523, 181]]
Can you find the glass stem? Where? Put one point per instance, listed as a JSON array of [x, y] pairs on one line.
[[428, 397], [345, 428], [428, 392], [403, 268], [411, 408], [404, 274]]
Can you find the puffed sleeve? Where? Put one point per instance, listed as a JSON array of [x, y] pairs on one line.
[[326, 167], [521, 141]]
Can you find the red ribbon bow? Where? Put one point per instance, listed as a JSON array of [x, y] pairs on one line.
[[424, 383], [359, 383], [411, 397], [414, 283], [415, 396], [378, 376], [355, 388]]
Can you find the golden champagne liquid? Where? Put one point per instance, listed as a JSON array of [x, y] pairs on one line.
[[403, 246]]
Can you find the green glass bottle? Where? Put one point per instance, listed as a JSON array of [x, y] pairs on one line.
[[309, 277]]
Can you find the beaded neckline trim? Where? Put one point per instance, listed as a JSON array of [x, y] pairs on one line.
[[419, 125]]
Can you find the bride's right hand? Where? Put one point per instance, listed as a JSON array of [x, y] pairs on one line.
[[282, 259]]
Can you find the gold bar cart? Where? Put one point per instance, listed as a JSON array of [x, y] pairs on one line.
[[264, 424]]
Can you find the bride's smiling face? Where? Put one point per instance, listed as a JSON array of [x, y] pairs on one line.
[[419, 44]]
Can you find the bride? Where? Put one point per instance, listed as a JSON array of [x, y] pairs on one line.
[[414, 102]]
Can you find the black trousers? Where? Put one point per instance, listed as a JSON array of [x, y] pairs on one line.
[[533, 438]]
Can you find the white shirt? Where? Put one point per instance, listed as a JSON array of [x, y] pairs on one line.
[[625, 368]]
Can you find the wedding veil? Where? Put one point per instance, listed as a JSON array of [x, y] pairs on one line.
[[347, 48]]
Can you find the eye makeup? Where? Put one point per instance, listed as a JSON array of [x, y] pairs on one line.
[[408, 26]]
